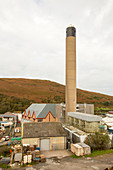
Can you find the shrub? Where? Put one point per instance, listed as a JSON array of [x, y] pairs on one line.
[[4, 166], [98, 141], [4, 151]]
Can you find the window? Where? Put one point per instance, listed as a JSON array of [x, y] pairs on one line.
[[40, 120]]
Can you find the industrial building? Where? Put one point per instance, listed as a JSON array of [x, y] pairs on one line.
[[85, 108], [47, 135], [52, 112], [86, 122], [70, 90], [44, 113], [76, 115]]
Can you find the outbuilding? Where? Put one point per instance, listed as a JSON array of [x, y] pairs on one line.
[[46, 135], [80, 149], [86, 148], [77, 149]]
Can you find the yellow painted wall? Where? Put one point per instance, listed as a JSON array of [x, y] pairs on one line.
[[31, 141], [56, 143]]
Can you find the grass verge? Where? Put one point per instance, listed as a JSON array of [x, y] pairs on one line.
[[4, 166], [95, 153], [32, 163]]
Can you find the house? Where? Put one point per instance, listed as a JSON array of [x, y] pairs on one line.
[[42, 112], [47, 135], [17, 131], [8, 117], [108, 122], [86, 122]]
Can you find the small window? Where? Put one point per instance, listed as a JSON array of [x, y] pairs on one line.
[[40, 120]]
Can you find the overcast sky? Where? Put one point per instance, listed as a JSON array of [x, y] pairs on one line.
[[32, 40]]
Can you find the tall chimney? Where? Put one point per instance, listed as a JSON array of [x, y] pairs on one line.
[[70, 90]]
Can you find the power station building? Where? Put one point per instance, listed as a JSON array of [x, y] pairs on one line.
[[70, 90], [86, 122]]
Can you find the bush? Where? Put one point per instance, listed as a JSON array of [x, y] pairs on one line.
[[4, 151], [4, 166], [98, 141]]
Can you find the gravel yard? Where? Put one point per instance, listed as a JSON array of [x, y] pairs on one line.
[[60, 162]]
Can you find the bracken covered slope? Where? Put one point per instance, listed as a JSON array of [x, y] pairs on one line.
[[22, 92]]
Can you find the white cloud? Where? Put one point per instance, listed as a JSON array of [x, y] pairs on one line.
[[32, 40]]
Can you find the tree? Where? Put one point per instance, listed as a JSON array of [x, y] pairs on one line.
[[98, 141]]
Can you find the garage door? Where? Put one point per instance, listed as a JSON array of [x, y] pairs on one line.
[[45, 144]]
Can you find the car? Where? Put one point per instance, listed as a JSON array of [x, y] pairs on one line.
[[3, 139], [6, 138]]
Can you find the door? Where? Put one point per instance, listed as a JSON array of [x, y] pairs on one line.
[[45, 145]]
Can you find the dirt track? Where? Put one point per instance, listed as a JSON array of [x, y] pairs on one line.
[[68, 163]]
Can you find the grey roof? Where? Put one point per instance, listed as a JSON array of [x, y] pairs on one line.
[[46, 109], [9, 116], [43, 129], [25, 120], [5, 160], [3, 115], [41, 110], [83, 145], [18, 157], [84, 116]]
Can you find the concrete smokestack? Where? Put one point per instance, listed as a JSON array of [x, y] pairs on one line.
[[70, 91]]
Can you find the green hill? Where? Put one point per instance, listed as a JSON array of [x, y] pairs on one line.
[[18, 94]]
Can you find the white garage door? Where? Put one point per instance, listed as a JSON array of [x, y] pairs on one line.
[[45, 145]]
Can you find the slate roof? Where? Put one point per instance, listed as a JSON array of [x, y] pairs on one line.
[[43, 129], [41, 110], [84, 116]]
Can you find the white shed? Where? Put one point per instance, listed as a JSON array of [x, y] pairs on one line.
[[80, 149], [77, 149]]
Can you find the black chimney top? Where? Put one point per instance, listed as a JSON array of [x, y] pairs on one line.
[[71, 31]]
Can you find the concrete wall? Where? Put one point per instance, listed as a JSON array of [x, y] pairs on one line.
[[56, 143], [85, 108], [84, 125], [92, 126], [31, 141], [70, 90], [60, 113]]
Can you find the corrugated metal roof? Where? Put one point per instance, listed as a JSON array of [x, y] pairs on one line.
[[41, 110], [35, 107], [84, 116]]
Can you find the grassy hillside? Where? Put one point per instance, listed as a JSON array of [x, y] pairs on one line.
[[17, 94]]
